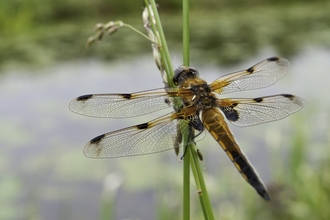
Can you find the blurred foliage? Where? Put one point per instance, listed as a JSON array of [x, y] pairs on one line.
[[225, 32], [301, 189], [236, 35], [18, 14]]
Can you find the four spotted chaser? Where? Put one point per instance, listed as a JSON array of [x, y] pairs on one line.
[[201, 108]]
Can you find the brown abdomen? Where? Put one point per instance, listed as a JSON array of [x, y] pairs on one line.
[[214, 122]]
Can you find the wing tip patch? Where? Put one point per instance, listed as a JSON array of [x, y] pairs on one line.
[[97, 139], [84, 97], [273, 58]]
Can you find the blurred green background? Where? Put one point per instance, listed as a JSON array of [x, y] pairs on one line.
[[44, 65]]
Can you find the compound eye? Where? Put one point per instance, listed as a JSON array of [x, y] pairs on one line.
[[183, 73], [193, 73], [177, 78], [193, 70]]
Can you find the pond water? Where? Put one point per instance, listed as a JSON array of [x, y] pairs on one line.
[[44, 174]]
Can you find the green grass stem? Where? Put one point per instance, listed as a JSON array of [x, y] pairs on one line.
[[191, 156], [186, 160], [191, 159]]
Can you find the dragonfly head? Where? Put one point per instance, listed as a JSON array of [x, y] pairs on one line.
[[183, 73]]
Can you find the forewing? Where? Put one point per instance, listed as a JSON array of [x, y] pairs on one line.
[[247, 112], [258, 76], [155, 136], [123, 105]]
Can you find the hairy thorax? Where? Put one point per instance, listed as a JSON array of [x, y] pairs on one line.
[[202, 98]]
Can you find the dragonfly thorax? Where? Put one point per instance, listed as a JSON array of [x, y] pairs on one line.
[[204, 98]]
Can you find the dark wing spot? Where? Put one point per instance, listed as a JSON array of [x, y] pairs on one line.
[[84, 97], [273, 59], [230, 113], [258, 99], [250, 70], [289, 96], [126, 96], [97, 139], [143, 126]]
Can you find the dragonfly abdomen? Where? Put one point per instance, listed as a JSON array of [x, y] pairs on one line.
[[214, 122]]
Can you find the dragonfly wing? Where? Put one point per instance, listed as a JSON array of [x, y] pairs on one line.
[[248, 112], [155, 136], [261, 75], [124, 105]]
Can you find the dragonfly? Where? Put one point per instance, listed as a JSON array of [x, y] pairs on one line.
[[201, 109]]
